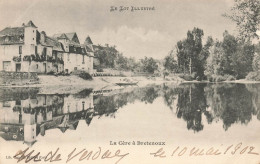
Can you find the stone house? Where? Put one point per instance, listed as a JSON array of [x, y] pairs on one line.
[[75, 55], [15, 43], [25, 49]]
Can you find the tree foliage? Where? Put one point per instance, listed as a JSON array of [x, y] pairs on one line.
[[246, 15], [230, 57], [149, 65], [170, 64]]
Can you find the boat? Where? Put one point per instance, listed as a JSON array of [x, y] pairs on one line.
[[126, 83]]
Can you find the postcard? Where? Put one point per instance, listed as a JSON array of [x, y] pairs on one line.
[[130, 81]]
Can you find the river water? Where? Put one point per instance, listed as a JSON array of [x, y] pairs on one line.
[[202, 115]]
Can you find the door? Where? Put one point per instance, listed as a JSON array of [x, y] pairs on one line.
[[18, 67], [6, 65], [44, 67]]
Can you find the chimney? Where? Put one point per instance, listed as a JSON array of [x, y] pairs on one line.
[[43, 37]]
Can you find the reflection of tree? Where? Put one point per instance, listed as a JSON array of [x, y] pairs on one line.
[[105, 105], [150, 94], [169, 95], [255, 90], [108, 105], [231, 103], [192, 104]]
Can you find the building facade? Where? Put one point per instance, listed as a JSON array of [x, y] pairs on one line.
[[25, 49]]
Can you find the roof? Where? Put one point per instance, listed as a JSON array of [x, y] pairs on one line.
[[30, 24], [50, 42], [97, 47], [11, 31], [60, 36], [16, 39], [89, 49], [88, 41], [72, 37], [12, 35], [63, 129]]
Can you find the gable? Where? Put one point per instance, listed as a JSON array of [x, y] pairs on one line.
[[75, 38]]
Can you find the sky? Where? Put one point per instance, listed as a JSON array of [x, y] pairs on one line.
[[136, 34]]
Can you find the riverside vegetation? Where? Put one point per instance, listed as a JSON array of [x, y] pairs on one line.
[[234, 57]]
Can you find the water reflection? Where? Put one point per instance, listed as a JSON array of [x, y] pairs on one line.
[[26, 112]]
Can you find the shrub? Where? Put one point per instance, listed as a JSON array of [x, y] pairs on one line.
[[50, 73], [255, 76], [186, 77], [220, 78], [82, 74], [230, 78], [210, 78]]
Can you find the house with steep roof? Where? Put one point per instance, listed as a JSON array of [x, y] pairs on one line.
[[88, 47], [24, 49], [75, 55], [15, 43]]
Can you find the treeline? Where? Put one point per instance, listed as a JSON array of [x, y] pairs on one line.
[[110, 57], [216, 60], [234, 57]]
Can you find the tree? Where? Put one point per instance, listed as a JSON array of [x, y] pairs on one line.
[[107, 56], [149, 65], [214, 63], [242, 60], [246, 15], [170, 64], [256, 60], [230, 45], [189, 53]]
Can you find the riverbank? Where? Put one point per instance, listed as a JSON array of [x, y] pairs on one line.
[[50, 84]]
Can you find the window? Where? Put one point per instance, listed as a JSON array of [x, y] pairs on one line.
[[33, 38], [18, 102], [36, 50], [83, 105], [45, 100], [33, 31], [6, 104], [37, 66], [20, 50], [6, 65], [44, 51], [75, 68], [83, 59]]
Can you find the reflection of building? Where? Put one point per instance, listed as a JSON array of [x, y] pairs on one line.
[[24, 119]]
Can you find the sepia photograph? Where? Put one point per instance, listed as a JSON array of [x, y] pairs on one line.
[[130, 81]]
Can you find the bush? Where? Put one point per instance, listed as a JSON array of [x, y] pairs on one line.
[[255, 76], [220, 78], [186, 77], [82, 74], [51, 73], [230, 78]]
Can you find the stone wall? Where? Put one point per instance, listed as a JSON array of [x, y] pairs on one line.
[[18, 78]]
